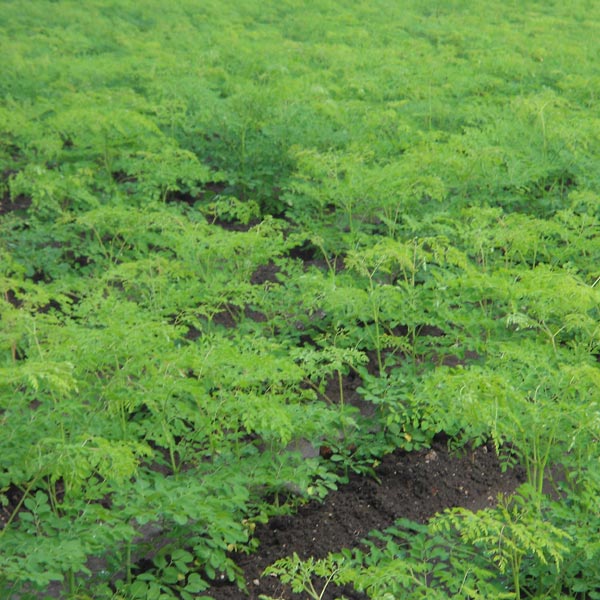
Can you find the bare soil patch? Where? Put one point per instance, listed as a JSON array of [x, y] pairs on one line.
[[414, 485]]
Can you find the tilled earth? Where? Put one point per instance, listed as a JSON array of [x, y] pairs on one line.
[[413, 485]]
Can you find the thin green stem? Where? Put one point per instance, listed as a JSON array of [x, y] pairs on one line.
[[128, 577], [15, 512], [71, 581], [515, 562]]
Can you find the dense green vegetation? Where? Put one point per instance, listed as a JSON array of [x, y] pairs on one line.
[[212, 212]]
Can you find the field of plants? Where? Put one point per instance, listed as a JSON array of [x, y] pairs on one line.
[[216, 215]]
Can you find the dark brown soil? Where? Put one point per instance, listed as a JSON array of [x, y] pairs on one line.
[[8, 205], [413, 485]]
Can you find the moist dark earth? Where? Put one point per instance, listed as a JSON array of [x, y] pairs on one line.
[[414, 485]]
